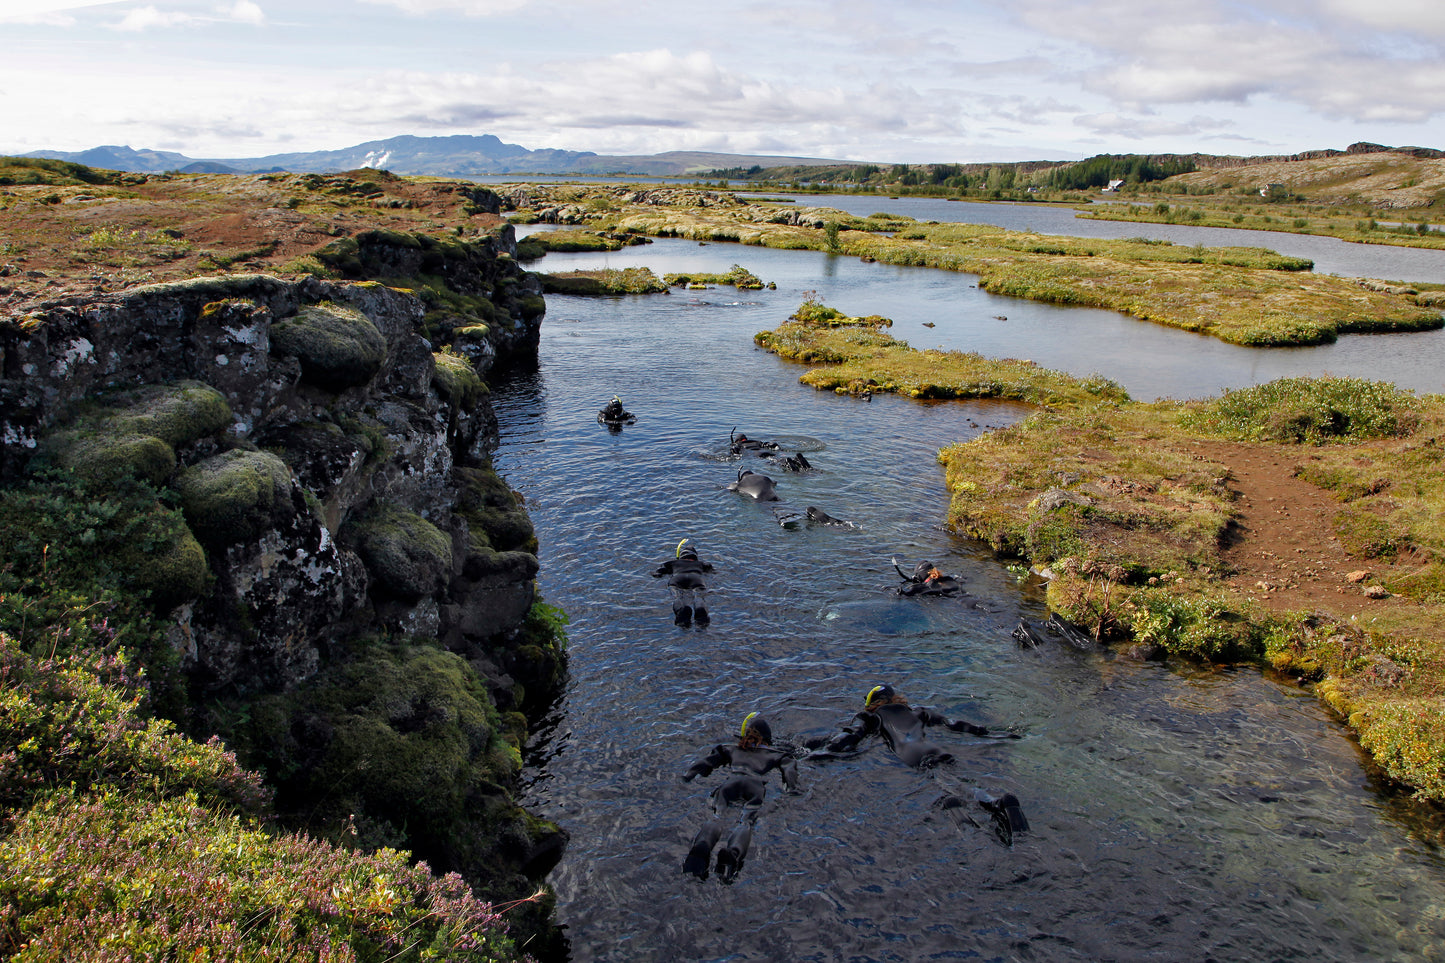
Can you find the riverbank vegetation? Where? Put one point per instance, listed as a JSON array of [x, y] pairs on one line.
[[1131, 512], [124, 837], [1247, 296]]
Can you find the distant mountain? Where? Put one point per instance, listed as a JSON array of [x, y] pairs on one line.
[[455, 156]]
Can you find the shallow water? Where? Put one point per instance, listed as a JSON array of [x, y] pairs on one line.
[[1177, 813], [1151, 361], [1330, 255]]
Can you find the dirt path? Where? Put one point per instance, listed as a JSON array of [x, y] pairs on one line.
[[1286, 554]]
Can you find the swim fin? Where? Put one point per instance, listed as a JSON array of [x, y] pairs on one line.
[[1008, 814], [700, 616], [730, 857], [682, 615]]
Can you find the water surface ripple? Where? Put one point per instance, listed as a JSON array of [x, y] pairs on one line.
[[1178, 814]]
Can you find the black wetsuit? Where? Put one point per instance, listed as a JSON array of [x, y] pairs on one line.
[[921, 582], [745, 787], [902, 728], [615, 414], [689, 591]]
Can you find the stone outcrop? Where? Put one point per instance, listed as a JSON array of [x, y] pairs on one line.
[[327, 441]]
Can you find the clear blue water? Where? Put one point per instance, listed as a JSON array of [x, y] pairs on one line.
[[1177, 813]]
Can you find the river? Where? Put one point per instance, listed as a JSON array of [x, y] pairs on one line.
[[1178, 812]]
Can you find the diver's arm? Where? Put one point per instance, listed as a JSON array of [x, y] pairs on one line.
[[953, 725], [901, 573], [789, 770], [862, 726], [702, 767], [664, 569]]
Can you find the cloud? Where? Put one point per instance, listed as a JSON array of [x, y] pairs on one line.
[[469, 8], [147, 17]]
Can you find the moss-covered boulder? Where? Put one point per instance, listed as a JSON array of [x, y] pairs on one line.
[[495, 516], [232, 497], [404, 745], [135, 433], [457, 381], [171, 569], [338, 347], [408, 557]]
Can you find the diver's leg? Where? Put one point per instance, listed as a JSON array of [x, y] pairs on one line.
[[700, 853], [730, 857], [681, 606], [699, 610]]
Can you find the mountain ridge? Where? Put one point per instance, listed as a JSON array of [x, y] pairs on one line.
[[457, 155]]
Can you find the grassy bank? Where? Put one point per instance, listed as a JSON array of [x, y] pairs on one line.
[[1246, 296], [1129, 513]]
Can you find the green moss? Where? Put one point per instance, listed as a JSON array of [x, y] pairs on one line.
[[496, 519], [457, 381], [407, 555], [135, 433], [171, 572], [229, 498], [338, 347]]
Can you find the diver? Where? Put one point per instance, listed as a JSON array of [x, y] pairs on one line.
[[614, 415], [689, 592], [926, 580], [749, 760], [739, 443], [796, 463], [903, 729]]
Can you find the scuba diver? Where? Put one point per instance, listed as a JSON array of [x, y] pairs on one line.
[[926, 580], [689, 592], [614, 415], [739, 443], [751, 759], [903, 729]]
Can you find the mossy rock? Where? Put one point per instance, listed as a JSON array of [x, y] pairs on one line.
[[170, 573], [134, 434], [338, 347], [496, 520], [457, 381], [408, 556], [106, 459], [231, 497]]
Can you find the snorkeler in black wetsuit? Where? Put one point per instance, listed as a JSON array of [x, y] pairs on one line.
[[903, 729], [689, 592], [739, 443], [750, 760], [926, 580], [614, 415]]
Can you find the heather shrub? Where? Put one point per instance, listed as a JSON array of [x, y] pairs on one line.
[[115, 877]]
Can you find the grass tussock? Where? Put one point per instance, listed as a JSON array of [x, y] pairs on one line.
[[857, 356]]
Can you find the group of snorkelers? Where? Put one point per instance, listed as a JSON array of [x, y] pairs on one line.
[[886, 714], [738, 801]]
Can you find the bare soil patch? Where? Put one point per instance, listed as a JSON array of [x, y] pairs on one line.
[[1285, 553]]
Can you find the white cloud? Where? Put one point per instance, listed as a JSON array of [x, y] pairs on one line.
[[144, 18], [469, 8]]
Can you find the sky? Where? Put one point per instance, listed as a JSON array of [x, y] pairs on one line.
[[903, 81]]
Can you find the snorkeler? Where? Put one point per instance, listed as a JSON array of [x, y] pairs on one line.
[[614, 415], [749, 760], [926, 579], [903, 728], [739, 443], [689, 592]]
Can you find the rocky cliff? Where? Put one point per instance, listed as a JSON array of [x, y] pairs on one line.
[[351, 598]]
